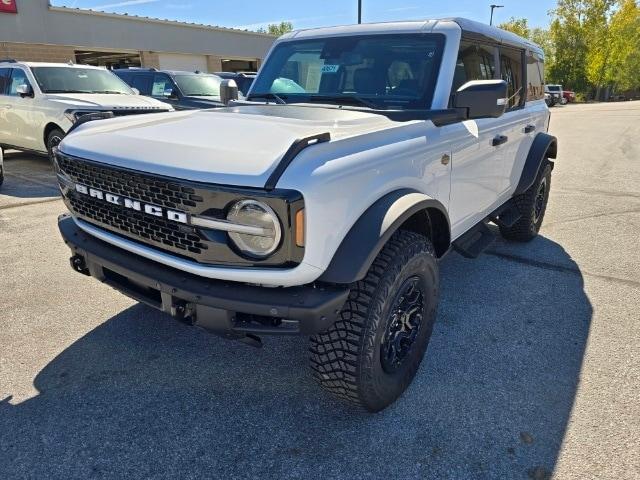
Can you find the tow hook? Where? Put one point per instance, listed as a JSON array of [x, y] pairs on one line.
[[79, 265], [216, 321]]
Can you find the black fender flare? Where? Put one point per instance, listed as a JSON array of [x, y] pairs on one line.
[[375, 226], [544, 146]]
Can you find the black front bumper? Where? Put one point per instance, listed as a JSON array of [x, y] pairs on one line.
[[228, 308]]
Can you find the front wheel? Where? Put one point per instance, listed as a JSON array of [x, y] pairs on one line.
[[372, 353], [53, 140]]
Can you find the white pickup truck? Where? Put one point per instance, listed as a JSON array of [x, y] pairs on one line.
[[321, 204]]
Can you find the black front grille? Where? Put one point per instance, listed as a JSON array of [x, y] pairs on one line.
[[162, 193], [169, 235], [121, 112], [201, 245]]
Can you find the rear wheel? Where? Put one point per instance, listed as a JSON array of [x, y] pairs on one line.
[[53, 140], [532, 205], [372, 353]]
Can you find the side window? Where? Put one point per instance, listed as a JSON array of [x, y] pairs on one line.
[[142, 83], [535, 77], [4, 80], [511, 71], [475, 62], [161, 82], [18, 77]]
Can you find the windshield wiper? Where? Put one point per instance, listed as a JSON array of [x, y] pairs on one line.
[[277, 98], [346, 98], [114, 92]]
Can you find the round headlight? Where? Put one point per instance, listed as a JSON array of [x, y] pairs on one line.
[[266, 234]]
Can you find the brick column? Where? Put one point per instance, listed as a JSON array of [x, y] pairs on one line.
[[150, 59], [214, 63]]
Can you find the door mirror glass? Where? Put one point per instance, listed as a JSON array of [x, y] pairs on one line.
[[482, 98], [24, 90]]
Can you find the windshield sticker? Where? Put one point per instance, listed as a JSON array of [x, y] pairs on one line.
[[330, 68]]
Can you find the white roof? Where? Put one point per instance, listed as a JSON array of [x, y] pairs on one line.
[[49, 64], [415, 26]]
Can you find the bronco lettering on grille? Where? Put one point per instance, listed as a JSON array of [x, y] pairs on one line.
[[131, 204]]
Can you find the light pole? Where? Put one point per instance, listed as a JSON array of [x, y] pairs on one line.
[[493, 7], [359, 11]]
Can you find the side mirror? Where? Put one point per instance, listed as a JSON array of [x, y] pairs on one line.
[[135, 91], [482, 98], [24, 90], [228, 91]]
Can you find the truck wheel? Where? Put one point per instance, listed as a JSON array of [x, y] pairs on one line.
[[532, 205], [53, 139], [371, 354]]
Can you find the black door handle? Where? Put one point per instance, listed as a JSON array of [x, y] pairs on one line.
[[499, 140], [529, 128]]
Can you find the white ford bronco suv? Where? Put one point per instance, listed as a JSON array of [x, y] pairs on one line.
[[40, 102], [321, 204]]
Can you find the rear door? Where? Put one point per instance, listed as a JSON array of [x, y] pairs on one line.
[[516, 119]]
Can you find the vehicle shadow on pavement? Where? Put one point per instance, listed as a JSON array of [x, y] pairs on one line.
[[144, 396], [28, 175]]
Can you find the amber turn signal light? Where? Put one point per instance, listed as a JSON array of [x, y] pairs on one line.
[[300, 228]]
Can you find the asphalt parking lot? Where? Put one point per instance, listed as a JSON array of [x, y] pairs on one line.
[[533, 370]]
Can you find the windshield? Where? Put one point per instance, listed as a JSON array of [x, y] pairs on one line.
[[198, 85], [381, 71], [79, 80], [553, 88]]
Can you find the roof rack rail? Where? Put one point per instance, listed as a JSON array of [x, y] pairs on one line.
[[8, 60]]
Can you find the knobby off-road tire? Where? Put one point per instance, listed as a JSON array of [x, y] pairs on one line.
[[354, 359], [532, 205], [53, 139]]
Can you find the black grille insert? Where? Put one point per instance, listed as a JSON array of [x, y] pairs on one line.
[[202, 245]]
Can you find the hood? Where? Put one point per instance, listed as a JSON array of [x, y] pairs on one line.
[[105, 101], [231, 146]]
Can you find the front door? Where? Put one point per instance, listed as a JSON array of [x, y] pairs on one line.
[[23, 126]]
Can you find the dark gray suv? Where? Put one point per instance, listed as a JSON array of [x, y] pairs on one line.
[[182, 90]]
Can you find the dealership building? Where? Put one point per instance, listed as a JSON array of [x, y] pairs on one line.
[[33, 30]]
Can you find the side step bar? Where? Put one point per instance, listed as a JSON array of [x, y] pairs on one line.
[[475, 241], [506, 216]]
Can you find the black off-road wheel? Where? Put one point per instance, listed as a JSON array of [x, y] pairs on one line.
[[532, 205], [372, 353], [53, 140]]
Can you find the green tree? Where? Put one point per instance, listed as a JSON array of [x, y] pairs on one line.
[[277, 29], [623, 66], [519, 26]]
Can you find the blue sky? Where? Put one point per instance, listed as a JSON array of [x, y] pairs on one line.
[[253, 14]]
